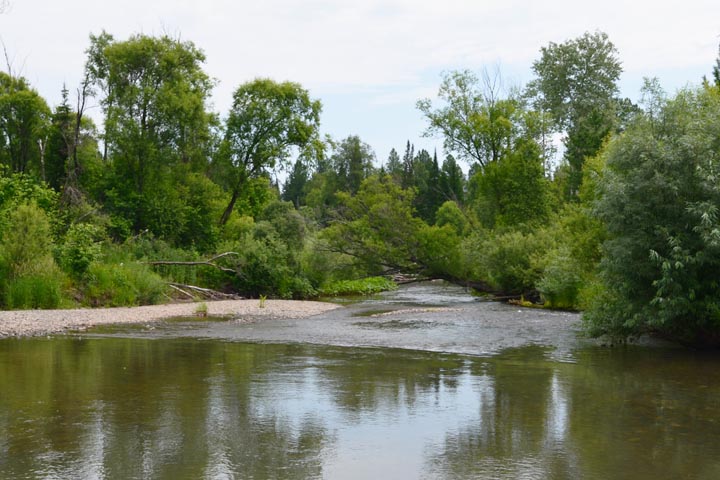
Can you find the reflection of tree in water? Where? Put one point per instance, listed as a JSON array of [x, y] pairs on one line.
[[615, 413], [655, 410], [370, 380], [511, 435], [122, 408]]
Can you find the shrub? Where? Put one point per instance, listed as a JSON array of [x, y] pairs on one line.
[[34, 291], [364, 286], [80, 249], [511, 262], [561, 280], [124, 284]]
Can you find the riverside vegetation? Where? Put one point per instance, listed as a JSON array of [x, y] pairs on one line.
[[167, 198]]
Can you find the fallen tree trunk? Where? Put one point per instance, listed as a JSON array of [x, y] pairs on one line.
[[209, 262], [193, 292]]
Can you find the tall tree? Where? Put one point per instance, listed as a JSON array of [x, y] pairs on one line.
[[153, 92], [267, 119], [394, 166], [24, 118], [577, 84], [353, 163], [294, 189], [452, 181], [476, 124], [155, 95]]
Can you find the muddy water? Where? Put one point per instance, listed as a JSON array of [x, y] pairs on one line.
[[463, 398]]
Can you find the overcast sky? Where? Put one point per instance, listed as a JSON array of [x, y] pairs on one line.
[[368, 61]]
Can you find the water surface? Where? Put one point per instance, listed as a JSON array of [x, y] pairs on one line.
[[162, 404]]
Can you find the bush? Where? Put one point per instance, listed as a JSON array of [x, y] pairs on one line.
[[34, 291], [124, 284], [510, 262], [561, 280], [80, 249], [364, 286]]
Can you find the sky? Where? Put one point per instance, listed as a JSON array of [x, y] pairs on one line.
[[368, 61]]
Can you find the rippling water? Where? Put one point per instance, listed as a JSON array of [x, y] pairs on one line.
[[257, 401]]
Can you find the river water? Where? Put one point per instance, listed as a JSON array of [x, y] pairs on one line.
[[427, 382]]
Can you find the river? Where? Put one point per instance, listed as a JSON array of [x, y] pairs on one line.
[[427, 382]]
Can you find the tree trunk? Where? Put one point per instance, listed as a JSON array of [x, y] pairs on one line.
[[229, 209]]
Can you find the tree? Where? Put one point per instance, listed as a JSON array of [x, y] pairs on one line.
[[154, 104], [352, 163], [452, 181], [514, 191], [266, 120], [157, 130], [294, 189], [577, 84], [475, 123], [24, 117], [394, 166], [72, 147], [377, 227], [659, 199]]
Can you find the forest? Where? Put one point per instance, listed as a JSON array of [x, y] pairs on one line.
[[167, 199]]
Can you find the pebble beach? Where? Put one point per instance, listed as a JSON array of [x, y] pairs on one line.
[[20, 323]]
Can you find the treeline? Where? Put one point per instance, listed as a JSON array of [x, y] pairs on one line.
[[622, 224]]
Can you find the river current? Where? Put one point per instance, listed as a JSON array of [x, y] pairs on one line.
[[427, 382]]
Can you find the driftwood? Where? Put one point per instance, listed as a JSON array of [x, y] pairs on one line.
[[193, 292], [209, 262]]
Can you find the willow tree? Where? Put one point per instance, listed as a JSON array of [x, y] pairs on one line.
[[267, 121]]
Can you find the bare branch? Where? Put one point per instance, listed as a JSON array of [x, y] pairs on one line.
[[209, 262]]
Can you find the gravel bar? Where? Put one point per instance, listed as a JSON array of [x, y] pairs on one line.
[[18, 323]]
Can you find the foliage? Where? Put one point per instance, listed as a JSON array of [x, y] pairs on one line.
[[376, 227], [474, 122], [514, 190], [577, 83], [24, 117], [363, 286], [30, 277], [156, 128], [80, 248], [509, 261], [121, 284], [658, 200], [451, 214], [266, 120]]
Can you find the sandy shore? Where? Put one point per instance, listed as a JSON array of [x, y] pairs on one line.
[[43, 322]]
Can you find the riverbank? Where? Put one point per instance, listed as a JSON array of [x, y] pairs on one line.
[[17, 323]]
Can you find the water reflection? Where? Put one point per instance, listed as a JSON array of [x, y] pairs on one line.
[[183, 408]]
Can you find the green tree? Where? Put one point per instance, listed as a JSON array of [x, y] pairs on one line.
[[394, 166], [71, 152], [659, 199], [267, 119], [452, 181], [157, 129], [352, 163], [294, 189], [577, 84], [475, 123], [513, 191], [377, 227], [24, 117]]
